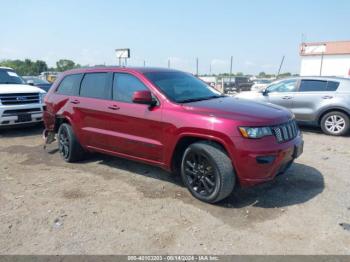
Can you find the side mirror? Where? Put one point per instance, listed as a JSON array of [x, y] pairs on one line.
[[265, 92], [143, 97], [30, 82]]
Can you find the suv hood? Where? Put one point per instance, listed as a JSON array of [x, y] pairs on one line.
[[15, 88], [241, 110]]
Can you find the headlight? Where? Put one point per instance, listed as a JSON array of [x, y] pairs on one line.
[[42, 96], [255, 132]]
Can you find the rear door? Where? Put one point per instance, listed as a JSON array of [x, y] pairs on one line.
[[282, 93], [312, 95], [61, 101], [91, 105], [135, 129]]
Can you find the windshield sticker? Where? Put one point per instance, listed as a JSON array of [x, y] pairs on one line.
[[10, 73]]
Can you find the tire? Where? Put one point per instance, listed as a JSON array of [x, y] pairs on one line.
[[68, 145], [203, 162], [335, 123]]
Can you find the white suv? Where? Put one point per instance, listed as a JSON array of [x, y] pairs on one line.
[[19, 103]]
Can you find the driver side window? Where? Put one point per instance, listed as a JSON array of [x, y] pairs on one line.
[[124, 86], [283, 86]]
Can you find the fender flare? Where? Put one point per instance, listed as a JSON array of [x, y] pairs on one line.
[[329, 109], [227, 144]]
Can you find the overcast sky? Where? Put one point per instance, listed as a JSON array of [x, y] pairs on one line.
[[256, 33]]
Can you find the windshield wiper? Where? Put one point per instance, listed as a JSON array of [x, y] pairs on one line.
[[199, 99]]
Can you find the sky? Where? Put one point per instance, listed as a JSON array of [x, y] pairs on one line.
[[256, 33]]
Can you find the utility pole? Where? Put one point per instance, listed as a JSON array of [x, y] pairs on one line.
[[168, 63], [279, 69], [303, 38], [321, 64], [231, 69], [210, 68], [144, 63], [196, 66]]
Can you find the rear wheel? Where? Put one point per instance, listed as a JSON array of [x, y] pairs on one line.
[[68, 145], [335, 123], [207, 172]]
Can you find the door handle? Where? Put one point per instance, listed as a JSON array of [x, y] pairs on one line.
[[114, 107], [75, 101], [327, 97], [287, 97]]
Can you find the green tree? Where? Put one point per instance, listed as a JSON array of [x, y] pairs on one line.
[[262, 74], [283, 75], [26, 67], [40, 66], [65, 64]]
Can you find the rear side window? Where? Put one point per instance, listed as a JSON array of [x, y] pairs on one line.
[[332, 86], [70, 85], [95, 85], [313, 86], [124, 86]]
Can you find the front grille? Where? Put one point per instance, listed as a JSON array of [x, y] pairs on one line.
[[20, 98], [15, 112], [285, 132]]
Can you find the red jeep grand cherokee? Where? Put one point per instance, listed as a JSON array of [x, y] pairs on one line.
[[173, 120]]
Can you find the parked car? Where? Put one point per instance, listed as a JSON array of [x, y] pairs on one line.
[[49, 76], [36, 81], [237, 84], [260, 84], [19, 103], [173, 120], [320, 101]]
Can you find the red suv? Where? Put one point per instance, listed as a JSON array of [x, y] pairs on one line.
[[173, 120]]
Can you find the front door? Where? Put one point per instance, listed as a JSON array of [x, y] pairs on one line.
[[135, 129], [282, 93]]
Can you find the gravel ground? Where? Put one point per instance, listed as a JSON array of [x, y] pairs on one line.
[[108, 205]]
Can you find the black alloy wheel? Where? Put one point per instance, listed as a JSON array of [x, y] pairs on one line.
[[207, 171], [63, 143], [201, 175]]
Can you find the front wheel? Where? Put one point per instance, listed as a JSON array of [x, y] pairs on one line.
[[335, 123], [207, 172]]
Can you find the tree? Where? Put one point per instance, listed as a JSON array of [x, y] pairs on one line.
[[41, 66], [26, 67], [65, 64], [283, 75], [262, 74]]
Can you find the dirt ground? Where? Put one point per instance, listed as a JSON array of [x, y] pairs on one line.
[[108, 205]]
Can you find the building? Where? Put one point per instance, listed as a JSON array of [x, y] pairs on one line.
[[325, 59]]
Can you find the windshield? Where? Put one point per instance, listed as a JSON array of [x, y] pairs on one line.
[[262, 81], [181, 87], [36, 80], [10, 77]]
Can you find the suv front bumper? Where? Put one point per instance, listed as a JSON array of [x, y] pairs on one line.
[[20, 114], [260, 160]]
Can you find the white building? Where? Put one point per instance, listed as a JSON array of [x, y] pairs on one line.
[[325, 59]]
